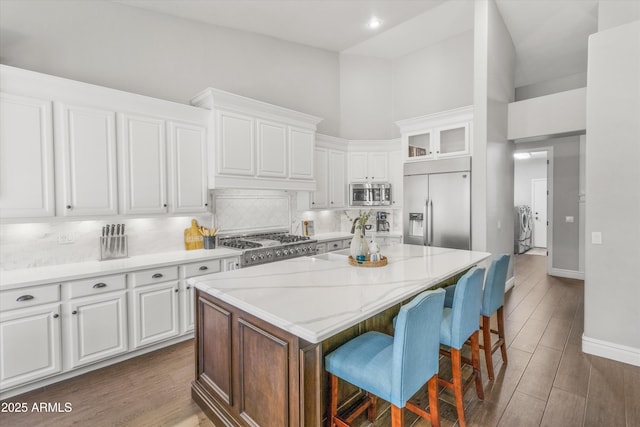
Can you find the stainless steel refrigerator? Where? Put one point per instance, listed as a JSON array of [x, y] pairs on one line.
[[437, 203]]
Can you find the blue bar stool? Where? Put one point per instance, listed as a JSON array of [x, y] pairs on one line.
[[493, 302], [460, 322], [392, 368]]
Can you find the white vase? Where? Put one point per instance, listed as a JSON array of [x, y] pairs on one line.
[[356, 244]]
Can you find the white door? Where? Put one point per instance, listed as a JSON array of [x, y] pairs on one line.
[[539, 212], [26, 157], [87, 154], [188, 168], [155, 313], [29, 345], [320, 197], [143, 171], [272, 149], [337, 179], [301, 145], [98, 327]]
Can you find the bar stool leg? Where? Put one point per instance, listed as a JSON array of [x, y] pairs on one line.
[[371, 411], [434, 411], [475, 360], [458, 390], [486, 344], [503, 346], [333, 391], [397, 416]]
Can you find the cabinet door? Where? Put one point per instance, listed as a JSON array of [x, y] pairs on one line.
[[235, 142], [29, 345], [26, 157], [358, 166], [396, 177], [419, 145], [87, 161], [453, 140], [301, 145], [378, 167], [155, 313], [337, 179], [320, 197], [98, 328], [272, 149], [188, 168], [143, 175]]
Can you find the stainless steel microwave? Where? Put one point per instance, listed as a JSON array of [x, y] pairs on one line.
[[368, 194]]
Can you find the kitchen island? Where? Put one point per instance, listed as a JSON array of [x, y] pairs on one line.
[[262, 332]]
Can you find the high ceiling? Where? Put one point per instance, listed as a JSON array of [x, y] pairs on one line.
[[550, 36]]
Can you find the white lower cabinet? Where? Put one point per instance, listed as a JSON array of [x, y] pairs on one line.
[[187, 292], [154, 313], [231, 264], [30, 344], [98, 328]]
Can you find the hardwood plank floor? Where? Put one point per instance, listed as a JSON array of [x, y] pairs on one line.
[[548, 380]]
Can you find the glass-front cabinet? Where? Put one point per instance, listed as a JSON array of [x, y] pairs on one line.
[[437, 136]]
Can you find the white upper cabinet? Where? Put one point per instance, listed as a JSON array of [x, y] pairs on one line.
[[258, 145], [320, 197], [396, 177], [437, 136], [368, 166], [337, 179], [143, 167], [187, 168], [86, 161], [272, 149], [73, 149], [236, 148], [26, 157], [301, 144]]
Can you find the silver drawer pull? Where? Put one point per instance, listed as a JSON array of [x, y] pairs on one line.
[[24, 298], [99, 285], [203, 268], [156, 276]]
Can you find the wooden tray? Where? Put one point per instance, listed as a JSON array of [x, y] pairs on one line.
[[367, 263]]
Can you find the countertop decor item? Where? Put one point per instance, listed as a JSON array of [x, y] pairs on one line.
[[193, 237], [308, 228], [113, 242], [368, 263]]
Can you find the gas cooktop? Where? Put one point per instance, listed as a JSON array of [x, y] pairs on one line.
[[269, 247]]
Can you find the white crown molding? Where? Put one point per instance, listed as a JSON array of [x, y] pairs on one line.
[[442, 118]]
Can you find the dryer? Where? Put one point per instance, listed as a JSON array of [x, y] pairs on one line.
[[523, 229]]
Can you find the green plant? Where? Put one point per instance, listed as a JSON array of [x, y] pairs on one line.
[[362, 218]]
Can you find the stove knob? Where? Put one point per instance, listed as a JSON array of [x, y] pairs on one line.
[[261, 256], [278, 253], [254, 258], [285, 252], [298, 250], [269, 255]]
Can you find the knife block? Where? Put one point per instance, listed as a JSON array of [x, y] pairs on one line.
[[114, 247]]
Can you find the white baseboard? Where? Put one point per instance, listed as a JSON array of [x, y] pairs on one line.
[[609, 350], [509, 284], [569, 274]]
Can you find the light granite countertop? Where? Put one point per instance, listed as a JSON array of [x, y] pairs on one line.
[[316, 297], [12, 279]]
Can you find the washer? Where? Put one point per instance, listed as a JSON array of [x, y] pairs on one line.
[[523, 229]]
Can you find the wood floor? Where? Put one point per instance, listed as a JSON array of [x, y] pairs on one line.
[[548, 380]]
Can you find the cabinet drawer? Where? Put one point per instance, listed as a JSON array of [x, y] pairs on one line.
[[28, 297], [155, 275], [334, 245], [96, 285], [200, 268]]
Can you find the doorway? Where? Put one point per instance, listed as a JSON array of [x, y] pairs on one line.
[[533, 192]]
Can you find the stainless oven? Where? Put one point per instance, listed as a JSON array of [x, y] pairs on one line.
[[369, 194]]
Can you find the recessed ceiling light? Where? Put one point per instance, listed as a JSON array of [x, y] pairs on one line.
[[374, 23], [521, 156]]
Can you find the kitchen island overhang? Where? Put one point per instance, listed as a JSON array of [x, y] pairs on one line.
[[261, 332]]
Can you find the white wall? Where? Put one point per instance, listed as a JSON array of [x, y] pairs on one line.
[[561, 84], [365, 98], [614, 13], [434, 79], [135, 50], [612, 289], [524, 171], [492, 163]]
